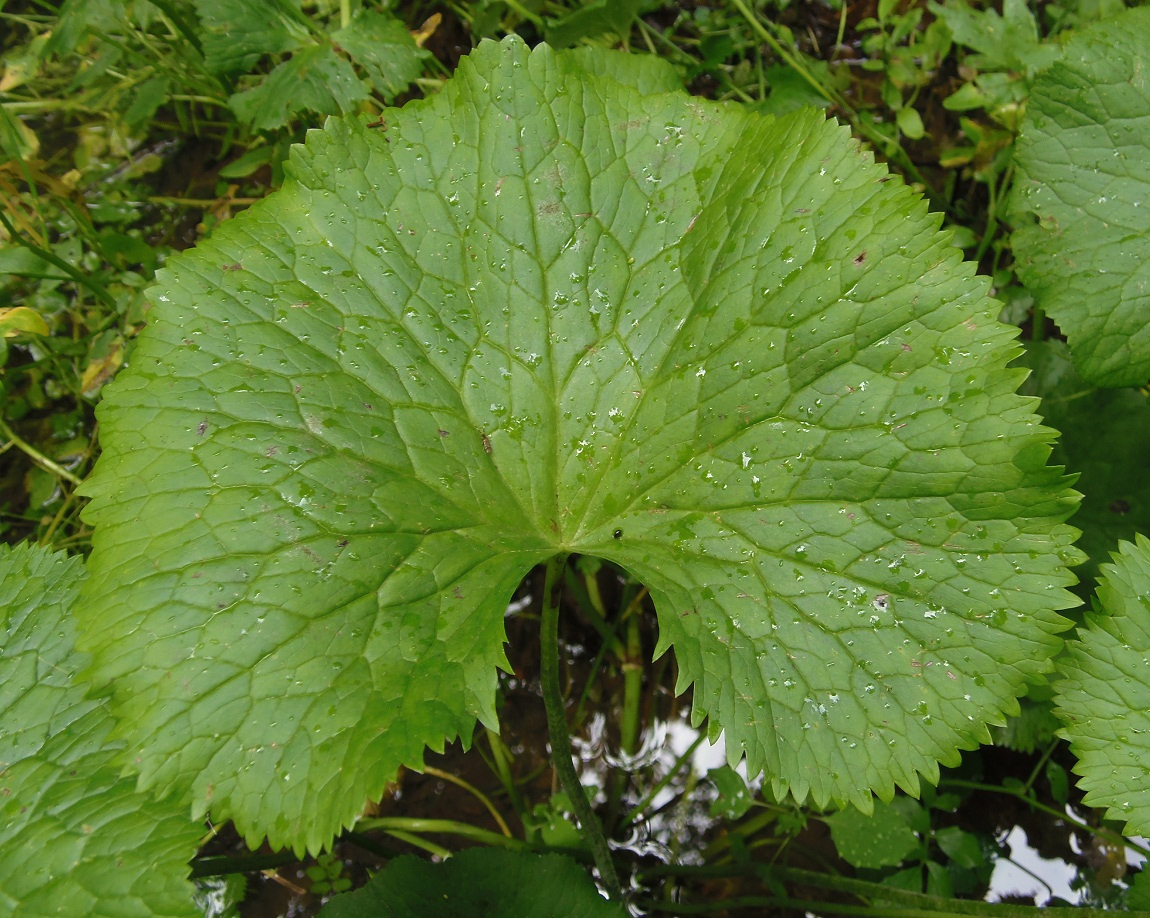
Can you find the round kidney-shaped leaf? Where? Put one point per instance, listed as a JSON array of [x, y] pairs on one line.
[[1084, 172], [76, 838], [1104, 697], [548, 312], [481, 883]]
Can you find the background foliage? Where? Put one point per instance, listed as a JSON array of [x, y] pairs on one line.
[[132, 130]]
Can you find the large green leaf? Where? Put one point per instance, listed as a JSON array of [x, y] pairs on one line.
[[1084, 172], [546, 312], [1104, 699], [75, 837], [480, 883], [1105, 441]]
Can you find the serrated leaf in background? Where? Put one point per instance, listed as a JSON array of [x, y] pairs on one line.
[[315, 79], [1032, 728], [383, 47], [1083, 183], [237, 33], [1104, 697], [1007, 42], [75, 837], [481, 883], [547, 312], [1105, 440], [592, 19]]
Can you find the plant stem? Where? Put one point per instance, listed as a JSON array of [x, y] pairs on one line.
[[52, 259], [218, 866], [38, 457], [411, 827], [1038, 325], [642, 805], [1101, 831], [629, 722], [557, 728], [888, 901], [474, 791], [501, 763]]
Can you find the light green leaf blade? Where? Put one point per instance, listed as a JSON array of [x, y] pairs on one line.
[[546, 312], [75, 837], [872, 840], [315, 79], [1105, 441], [383, 47], [237, 33], [478, 882], [1104, 697], [1083, 182]]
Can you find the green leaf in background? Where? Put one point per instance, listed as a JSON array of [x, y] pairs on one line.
[[790, 91], [1104, 697], [735, 798], [592, 19], [479, 883], [1007, 42], [315, 79], [546, 312], [383, 47], [880, 839], [146, 99], [1083, 161], [1033, 727], [963, 848], [1105, 439], [237, 33], [75, 837], [1138, 896]]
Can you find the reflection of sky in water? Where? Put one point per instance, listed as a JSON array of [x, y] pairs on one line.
[[663, 744], [1010, 876]]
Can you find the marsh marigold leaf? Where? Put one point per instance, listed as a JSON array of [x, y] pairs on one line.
[[75, 836], [1104, 699], [1105, 441], [479, 882], [547, 312], [1083, 163]]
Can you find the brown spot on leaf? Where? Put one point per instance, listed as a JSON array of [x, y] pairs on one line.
[[859, 258]]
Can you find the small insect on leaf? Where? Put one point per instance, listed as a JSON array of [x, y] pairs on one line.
[[618, 533], [486, 444]]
